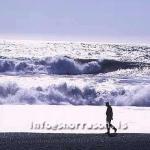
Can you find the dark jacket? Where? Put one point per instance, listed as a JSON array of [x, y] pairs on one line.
[[109, 113]]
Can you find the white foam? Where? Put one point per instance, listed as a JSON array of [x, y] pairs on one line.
[[49, 90]]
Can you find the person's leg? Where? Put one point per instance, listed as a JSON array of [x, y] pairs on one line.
[[113, 127], [108, 127]]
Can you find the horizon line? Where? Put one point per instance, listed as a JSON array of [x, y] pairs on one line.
[[60, 39]]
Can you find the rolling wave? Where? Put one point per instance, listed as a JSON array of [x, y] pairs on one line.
[[11, 93], [64, 66]]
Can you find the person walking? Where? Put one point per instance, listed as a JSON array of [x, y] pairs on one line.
[[109, 118]]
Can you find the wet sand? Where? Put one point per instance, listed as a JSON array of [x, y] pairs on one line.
[[35, 141]]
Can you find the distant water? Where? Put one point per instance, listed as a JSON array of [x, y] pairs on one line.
[[35, 72]]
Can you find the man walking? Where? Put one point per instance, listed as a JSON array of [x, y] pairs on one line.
[[109, 117]]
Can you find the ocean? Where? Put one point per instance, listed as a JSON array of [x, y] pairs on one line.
[[74, 73]]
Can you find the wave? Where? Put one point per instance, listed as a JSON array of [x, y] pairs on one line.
[[137, 96], [11, 93], [64, 66]]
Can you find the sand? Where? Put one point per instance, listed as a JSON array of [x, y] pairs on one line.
[[20, 118], [35, 141]]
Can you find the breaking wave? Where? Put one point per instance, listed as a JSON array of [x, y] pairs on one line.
[[64, 66], [11, 93]]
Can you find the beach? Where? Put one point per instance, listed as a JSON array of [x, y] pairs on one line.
[[72, 119], [35, 141]]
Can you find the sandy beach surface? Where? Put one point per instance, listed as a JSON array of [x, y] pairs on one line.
[[53, 119], [35, 141], [16, 132]]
